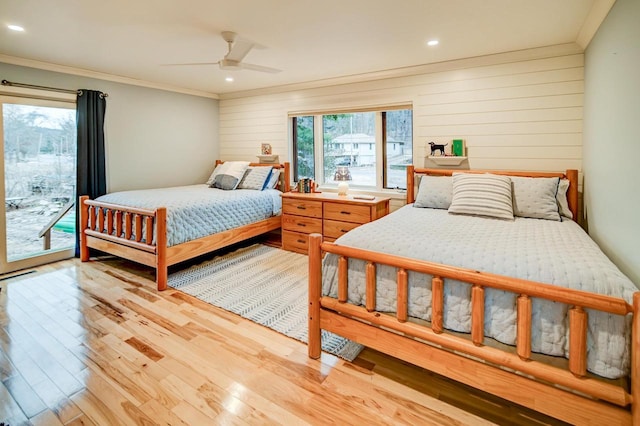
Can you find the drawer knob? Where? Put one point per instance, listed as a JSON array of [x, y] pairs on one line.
[[301, 224], [301, 207], [344, 231], [345, 212], [300, 241]]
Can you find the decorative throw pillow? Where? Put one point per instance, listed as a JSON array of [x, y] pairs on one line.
[[434, 192], [228, 174], [209, 181], [274, 179], [255, 178], [561, 197], [535, 197], [482, 195]]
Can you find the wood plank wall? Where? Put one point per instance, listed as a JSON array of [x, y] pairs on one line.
[[519, 110]]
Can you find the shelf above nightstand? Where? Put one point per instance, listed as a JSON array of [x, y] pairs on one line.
[[447, 161]]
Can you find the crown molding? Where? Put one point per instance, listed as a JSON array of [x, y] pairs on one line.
[[596, 16], [455, 64], [13, 60]]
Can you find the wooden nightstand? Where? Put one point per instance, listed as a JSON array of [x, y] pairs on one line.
[[326, 213]]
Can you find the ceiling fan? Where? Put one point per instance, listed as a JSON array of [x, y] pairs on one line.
[[237, 50]]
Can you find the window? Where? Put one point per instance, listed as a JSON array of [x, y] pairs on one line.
[[303, 162], [38, 139], [376, 147], [398, 136]]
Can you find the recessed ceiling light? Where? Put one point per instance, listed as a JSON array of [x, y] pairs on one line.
[[433, 42], [15, 27], [229, 79]]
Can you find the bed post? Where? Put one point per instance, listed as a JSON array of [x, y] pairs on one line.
[[287, 177], [572, 192], [84, 222], [635, 360], [161, 248], [410, 184], [315, 293]]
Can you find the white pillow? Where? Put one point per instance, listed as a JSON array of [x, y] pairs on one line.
[[561, 197], [535, 197], [482, 195], [434, 192], [255, 178], [227, 175]]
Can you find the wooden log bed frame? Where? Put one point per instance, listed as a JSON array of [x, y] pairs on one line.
[[122, 232], [567, 393]]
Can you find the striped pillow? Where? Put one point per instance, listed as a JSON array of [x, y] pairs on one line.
[[255, 178], [482, 195]]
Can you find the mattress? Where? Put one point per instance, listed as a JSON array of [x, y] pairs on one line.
[[196, 211], [558, 253]]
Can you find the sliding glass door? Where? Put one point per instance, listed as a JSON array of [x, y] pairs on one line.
[[38, 175]]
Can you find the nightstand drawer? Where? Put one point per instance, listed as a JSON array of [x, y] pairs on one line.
[[347, 212], [336, 229], [295, 241], [303, 224], [302, 207]]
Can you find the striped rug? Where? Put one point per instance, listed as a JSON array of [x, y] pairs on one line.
[[265, 285]]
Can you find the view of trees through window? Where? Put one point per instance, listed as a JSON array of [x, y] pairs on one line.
[[40, 176], [352, 142], [398, 147], [303, 141]]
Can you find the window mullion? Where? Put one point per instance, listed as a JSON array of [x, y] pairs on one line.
[[380, 160], [318, 148]]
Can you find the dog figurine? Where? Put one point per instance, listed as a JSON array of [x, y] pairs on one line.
[[435, 147]]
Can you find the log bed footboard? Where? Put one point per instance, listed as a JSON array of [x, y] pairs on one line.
[[567, 394], [126, 232]]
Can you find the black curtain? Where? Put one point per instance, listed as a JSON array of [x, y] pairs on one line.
[[90, 168]]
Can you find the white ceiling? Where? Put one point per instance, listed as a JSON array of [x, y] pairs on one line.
[[307, 40]]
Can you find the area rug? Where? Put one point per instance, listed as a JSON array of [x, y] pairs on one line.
[[265, 285]]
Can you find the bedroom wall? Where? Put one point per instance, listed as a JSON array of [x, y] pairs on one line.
[[517, 110], [611, 137], [153, 138]]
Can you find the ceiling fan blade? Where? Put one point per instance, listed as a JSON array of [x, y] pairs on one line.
[[254, 67], [239, 50], [191, 63]]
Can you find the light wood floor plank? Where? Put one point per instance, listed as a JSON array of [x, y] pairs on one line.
[[46, 418], [97, 344]]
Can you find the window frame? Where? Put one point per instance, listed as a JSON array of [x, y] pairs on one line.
[[379, 144]]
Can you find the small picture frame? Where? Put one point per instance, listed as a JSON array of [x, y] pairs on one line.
[[458, 148], [266, 149]]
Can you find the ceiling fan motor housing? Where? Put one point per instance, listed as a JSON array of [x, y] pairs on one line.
[[230, 64]]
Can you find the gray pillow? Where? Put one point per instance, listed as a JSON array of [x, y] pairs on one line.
[[434, 192], [255, 178], [482, 195], [228, 174], [535, 197]]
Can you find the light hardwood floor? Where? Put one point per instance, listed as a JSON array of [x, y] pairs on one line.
[[95, 343]]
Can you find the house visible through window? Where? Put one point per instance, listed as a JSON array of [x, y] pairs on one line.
[[361, 141]]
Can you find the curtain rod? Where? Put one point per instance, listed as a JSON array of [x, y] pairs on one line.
[[54, 89]]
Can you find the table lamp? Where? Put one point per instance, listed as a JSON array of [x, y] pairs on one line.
[[342, 176]]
